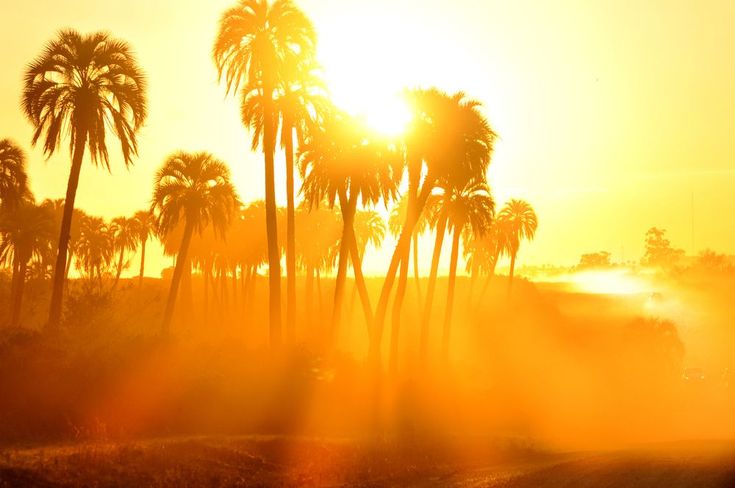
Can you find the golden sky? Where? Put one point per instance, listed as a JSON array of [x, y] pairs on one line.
[[611, 113]]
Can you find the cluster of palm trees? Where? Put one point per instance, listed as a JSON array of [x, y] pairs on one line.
[[86, 87]]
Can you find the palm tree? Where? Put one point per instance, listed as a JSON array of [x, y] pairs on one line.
[[317, 249], [518, 222], [26, 232], [195, 188], [144, 228], [124, 239], [13, 177], [470, 210], [395, 224], [300, 103], [345, 162], [448, 140], [83, 85], [95, 249], [369, 230], [254, 43], [481, 253]]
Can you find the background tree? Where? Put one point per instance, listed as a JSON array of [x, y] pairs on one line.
[[26, 232], [254, 43], [124, 240], [83, 85], [594, 260], [13, 177], [95, 248], [194, 188], [144, 229], [659, 251], [518, 222], [470, 210]]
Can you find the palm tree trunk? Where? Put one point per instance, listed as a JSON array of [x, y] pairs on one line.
[[396, 315], [309, 294], [404, 243], [16, 291], [290, 236], [271, 223], [348, 206], [68, 264], [319, 309], [450, 294], [512, 270], [57, 291], [181, 261], [142, 262], [119, 268], [360, 285], [441, 228], [416, 269], [205, 275], [490, 276], [473, 280]]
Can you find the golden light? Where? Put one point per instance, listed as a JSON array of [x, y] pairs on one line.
[[609, 282], [389, 117]]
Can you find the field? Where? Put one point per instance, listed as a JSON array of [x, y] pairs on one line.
[[279, 462]]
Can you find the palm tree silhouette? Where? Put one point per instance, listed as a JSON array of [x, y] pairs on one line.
[[95, 248], [481, 253], [26, 232], [254, 42], [395, 224], [316, 250], [195, 188], [448, 140], [144, 228], [124, 239], [518, 222], [300, 103], [13, 177], [470, 210], [345, 162], [369, 230], [85, 85]]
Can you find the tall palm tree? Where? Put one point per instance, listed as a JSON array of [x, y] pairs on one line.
[[254, 42], [345, 163], [518, 222], [195, 188], [449, 140], [13, 177], [300, 103], [26, 232], [125, 239], [86, 86], [470, 209], [144, 229]]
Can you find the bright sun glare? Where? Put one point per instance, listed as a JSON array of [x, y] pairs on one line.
[[612, 282]]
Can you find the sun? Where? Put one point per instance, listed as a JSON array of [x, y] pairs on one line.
[[389, 116]]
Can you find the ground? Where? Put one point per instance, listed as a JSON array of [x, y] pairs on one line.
[[273, 461]]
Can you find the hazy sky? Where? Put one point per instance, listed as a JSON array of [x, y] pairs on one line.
[[611, 114]]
